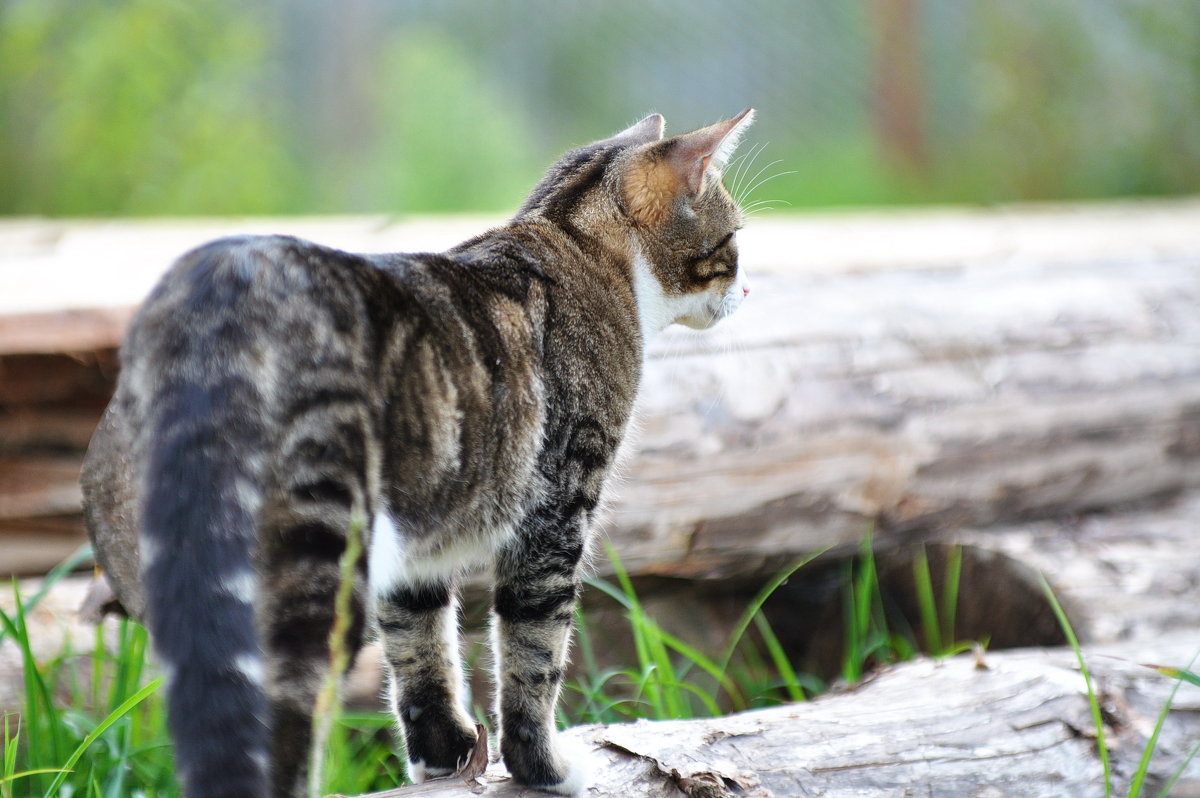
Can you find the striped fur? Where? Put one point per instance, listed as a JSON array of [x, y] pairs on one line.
[[466, 406]]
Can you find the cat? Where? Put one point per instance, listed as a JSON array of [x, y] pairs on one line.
[[455, 409]]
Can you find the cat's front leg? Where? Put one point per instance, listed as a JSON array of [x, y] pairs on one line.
[[419, 626], [537, 585]]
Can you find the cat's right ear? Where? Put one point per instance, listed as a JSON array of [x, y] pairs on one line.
[[649, 129]]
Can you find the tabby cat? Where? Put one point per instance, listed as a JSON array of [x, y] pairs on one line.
[[465, 407]]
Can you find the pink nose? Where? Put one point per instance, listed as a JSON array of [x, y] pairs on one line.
[[745, 292]]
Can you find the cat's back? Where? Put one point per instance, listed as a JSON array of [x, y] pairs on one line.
[[259, 283]]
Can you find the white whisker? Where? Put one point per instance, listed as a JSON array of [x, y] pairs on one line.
[[766, 180], [753, 185], [744, 169], [762, 202]]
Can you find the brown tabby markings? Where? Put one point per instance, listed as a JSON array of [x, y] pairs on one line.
[[467, 405]]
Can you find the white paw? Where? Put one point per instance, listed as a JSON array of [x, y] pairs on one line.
[[579, 771], [418, 773]]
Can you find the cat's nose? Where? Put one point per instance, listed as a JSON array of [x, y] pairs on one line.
[[745, 291]]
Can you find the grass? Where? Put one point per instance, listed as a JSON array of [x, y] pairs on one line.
[[93, 724], [87, 725], [1180, 675]]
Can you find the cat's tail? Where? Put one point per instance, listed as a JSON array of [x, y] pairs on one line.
[[203, 443]]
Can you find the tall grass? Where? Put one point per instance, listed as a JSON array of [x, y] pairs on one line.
[[86, 726], [93, 724]]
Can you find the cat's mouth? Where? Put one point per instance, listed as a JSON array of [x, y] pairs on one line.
[[717, 308]]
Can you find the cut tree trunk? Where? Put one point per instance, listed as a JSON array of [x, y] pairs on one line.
[[1007, 725], [909, 371]]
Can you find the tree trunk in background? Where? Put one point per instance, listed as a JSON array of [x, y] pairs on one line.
[[898, 103], [902, 373]]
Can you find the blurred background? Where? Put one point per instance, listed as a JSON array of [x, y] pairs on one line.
[[159, 107], [958, 396]]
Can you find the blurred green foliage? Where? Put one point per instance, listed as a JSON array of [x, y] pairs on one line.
[[137, 107], [123, 107]]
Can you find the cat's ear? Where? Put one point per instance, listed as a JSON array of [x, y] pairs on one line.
[[677, 166], [694, 152], [649, 129]]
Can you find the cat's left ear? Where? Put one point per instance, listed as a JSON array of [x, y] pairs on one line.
[[649, 129], [694, 152]]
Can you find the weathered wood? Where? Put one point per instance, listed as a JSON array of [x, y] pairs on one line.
[[1019, 728], [57, 331], [908, 371], [47, 379], [1012, 725], [34, 545], [33, 486], [906, 399]]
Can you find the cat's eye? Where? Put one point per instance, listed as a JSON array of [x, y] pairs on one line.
[[720, 245]]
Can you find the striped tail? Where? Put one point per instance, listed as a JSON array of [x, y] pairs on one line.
[[203, 449], [198, 539]]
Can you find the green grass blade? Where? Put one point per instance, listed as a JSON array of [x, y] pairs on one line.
[[682, 687], [852, 634], [77, 558], [1139, 776], [610, 590], [26, 773], [791, 682], [649, 660], [1097, 716], [708, 666], [865, 625], [756, 604], [43, 722], [1180, 675], [103, 726], [950, 601], [1165, 792], [1176, 673], [326, 707], [927, 604]]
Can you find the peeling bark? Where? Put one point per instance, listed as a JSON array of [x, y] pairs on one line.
[[1017, 727]]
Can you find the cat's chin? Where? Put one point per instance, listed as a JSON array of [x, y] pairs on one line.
[[706, 323]]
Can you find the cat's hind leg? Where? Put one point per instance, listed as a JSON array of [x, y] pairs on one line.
[[321, 496], [419, 627], [537, 586]]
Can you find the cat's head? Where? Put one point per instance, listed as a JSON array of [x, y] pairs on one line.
[[662, 202]]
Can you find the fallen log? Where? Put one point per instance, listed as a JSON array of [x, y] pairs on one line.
[[915, 371], [1008, 725], [945, 370]]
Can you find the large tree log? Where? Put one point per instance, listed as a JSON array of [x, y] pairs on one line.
[[1011, 725], [921, 370]]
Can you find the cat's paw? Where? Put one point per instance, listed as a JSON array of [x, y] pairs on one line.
[[418, 773], [558, 766], [438, 742], [579, 771]]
